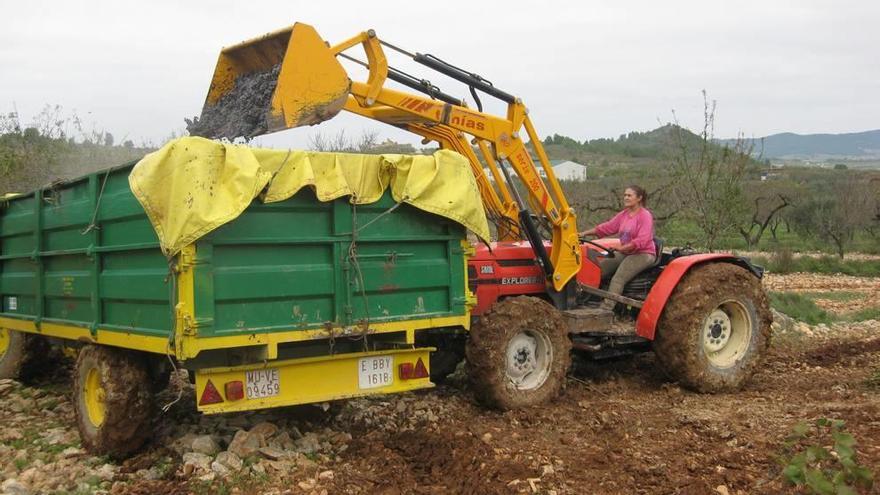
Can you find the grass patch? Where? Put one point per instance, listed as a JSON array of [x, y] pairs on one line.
[[800, 308], [872, 313], [28, 439], [243, 481], [51, 404], [783, 263], [57, 448], [59, 388], [17, 444], [93, 480], [873, 381], [165, 466], [841, 296]]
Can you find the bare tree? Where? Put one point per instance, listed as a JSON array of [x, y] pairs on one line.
[[368, 141], [709, 176], [337, 142], [836, 214], [595, 202], [340, 142], [763, 212], [874, 223]]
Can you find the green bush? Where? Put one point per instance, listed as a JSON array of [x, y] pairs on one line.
[[808, 463], [782, 261]]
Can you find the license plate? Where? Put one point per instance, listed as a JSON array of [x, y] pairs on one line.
[[377, 371], [262, 383]]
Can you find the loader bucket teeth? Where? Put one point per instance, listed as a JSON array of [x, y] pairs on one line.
[[282, 80]]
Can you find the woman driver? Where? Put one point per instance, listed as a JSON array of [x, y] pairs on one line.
[[634, 225]]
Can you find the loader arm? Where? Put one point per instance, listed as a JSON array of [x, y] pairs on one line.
[[310, 88], [500, 206]]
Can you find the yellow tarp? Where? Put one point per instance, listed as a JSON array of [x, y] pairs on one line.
[[192, 185]]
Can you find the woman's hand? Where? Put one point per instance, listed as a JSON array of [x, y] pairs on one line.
[[627, 248], [587, 232]]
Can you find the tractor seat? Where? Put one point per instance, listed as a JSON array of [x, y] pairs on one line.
[[658, 247]]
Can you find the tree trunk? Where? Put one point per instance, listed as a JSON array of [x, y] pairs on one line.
[[838, 241], [773, 228]]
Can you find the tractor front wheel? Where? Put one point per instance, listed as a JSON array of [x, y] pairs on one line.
[[518, 353], [112, 400], [715, 328]]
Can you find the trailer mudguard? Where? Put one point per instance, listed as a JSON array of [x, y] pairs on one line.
[[646, 324]]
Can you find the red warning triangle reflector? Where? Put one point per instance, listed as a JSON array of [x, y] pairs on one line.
[[420, 371], [210, 395]]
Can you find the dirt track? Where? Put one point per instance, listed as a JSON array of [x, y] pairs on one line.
[[620, 427]]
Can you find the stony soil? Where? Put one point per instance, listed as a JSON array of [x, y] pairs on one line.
[[619, 427], [813, 254], [866, 290], [815, 282]]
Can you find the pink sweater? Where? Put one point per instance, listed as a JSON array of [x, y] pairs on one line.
[[638, 229]]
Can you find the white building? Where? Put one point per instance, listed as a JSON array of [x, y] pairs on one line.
[[563, 169], [568, 170]]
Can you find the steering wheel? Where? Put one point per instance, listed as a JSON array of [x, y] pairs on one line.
[[608, 250]]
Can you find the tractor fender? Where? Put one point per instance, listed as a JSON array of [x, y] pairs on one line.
[[646, 324]]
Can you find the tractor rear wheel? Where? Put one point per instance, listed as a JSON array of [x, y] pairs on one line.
[[518, 353], [715, 328], [112, 400]]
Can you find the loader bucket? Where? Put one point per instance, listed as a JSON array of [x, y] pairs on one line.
[[281, 80]]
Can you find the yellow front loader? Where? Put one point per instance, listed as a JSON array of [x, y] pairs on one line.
[[292, 78]]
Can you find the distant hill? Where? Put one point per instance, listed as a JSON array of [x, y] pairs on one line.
[[859, 145], [648, 147], [645, 148]]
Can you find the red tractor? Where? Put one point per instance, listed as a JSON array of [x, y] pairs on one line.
[[706, 316]]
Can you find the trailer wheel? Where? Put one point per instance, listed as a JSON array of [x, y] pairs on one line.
[[450, 351], [112, 400], [444, 362], [715, 329], [20, 353], [12, 353], [518, 353], [159, 372]]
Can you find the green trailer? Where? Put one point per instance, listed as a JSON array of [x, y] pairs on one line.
[[293, 301]]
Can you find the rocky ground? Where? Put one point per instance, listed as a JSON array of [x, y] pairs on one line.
[[812, 254], [619, 427], [861, 292]]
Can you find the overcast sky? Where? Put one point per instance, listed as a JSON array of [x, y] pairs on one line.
[[586, 69]]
